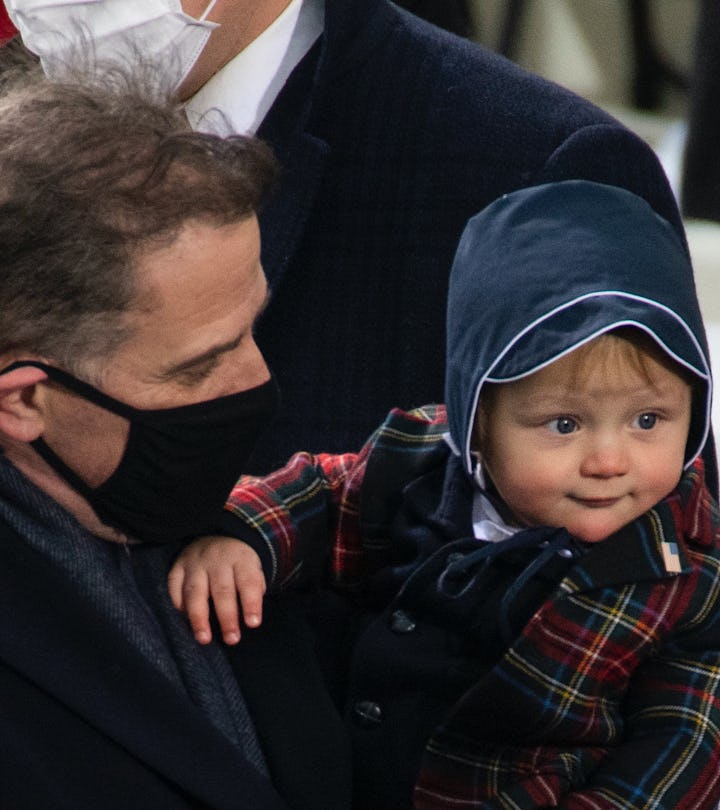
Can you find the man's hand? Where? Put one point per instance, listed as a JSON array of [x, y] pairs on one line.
[[221, 569]]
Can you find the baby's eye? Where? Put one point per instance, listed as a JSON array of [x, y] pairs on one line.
[[646, 421], [563, 425]]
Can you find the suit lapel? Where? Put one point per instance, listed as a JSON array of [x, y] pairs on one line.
[[302, 158]]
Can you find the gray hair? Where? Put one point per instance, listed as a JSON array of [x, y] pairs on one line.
[[92, 174]]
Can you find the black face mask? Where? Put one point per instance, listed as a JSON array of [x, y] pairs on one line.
[[179, 464]]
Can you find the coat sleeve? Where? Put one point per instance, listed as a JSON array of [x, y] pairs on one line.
[[302, 519]]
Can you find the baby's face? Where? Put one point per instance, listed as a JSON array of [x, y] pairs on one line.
[[590, 457]]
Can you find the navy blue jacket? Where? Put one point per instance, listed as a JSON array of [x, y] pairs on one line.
[[392, 134]]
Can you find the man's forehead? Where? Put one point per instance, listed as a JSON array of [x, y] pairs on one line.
[[203, 288]]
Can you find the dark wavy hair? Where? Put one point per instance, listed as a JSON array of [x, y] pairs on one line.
[[91, 176]]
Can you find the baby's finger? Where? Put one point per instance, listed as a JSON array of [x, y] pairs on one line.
[[176, 578], [250, 585], [225, 601], [195, 598]]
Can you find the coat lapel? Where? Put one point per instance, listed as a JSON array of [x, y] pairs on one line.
[[653, 546], [293, 127], [638, 552], [302, 158], [58, 641]]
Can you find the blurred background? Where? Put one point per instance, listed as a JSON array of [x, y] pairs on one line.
[[653, 64]]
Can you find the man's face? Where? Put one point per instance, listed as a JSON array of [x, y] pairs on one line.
[[591, 457], [192, 340]]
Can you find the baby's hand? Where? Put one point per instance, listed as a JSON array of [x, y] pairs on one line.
[[220, 568]]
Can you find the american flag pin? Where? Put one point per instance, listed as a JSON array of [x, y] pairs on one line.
[[671, 557]]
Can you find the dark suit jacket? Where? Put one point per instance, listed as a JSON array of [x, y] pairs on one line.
[[391, 134]]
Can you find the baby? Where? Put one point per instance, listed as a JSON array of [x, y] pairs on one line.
[[535, 570]]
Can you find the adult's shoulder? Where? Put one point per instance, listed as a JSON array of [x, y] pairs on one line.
[[464, 72], [485, 116]]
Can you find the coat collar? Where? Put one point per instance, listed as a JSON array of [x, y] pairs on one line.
[[656, 545], [353, 30], [653, 547], [98, 674]]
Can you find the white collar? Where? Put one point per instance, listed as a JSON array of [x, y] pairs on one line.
[[238, 97], [487, 522]]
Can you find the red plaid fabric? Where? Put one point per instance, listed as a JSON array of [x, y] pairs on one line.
[[610, 697]]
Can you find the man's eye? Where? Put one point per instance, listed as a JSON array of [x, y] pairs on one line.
[[647, 421], [195, 375], [563, 425]]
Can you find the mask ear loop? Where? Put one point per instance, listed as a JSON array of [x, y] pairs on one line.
[[77, 386], [43, 449], [478, 473], [194, 56], [205, 13]]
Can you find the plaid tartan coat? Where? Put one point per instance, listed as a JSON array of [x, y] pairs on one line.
[[609, 698]]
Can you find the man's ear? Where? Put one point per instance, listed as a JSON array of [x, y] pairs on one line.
[[20, 417]]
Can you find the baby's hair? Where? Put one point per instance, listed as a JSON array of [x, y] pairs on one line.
[[626, 347]]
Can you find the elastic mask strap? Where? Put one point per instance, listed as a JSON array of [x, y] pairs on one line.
[[205, 13], [85, 390], [67, 473]]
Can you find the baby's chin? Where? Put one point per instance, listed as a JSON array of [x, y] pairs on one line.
[[596, 532], [592, 537]]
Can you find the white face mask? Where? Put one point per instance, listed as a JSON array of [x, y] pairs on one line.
[[117, 29]]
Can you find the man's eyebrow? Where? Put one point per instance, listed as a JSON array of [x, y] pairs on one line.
[[205, 357], [215, 351]]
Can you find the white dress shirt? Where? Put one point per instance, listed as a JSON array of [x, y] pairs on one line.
[[237, 98]]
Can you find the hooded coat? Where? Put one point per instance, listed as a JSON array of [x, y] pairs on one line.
[[597, 682]]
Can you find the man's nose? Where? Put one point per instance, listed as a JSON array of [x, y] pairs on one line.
[[256, 370], [245, 368], [606, 456]]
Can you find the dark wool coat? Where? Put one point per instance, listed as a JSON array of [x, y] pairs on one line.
[[108, 703], [391, 134]]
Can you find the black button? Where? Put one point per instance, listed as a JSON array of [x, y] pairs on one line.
[[367, 714], [401, 622], [455, 557]]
